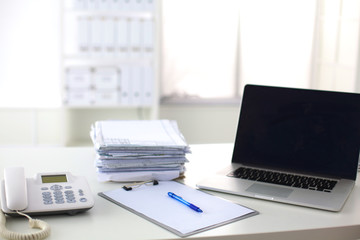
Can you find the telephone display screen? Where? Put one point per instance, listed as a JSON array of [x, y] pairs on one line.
[[53, 178]]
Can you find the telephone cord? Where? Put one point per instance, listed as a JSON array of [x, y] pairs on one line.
[[34, 223]]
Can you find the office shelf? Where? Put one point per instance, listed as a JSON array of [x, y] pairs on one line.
[[110, 54]]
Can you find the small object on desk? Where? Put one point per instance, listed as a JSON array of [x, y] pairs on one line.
[[138, 184], [180, 199], [151, 203]]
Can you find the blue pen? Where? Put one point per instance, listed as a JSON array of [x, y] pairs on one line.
[[180, 199]]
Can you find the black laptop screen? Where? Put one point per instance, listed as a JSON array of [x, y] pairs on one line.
[[298, 130]]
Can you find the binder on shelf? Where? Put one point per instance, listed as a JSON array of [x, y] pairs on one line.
[[124, 85], [104, 5], [83, 35], [136, 5], [148, 85], [96, 34], [109, 35], [93, 4], [136, 85], [113, 5], [122, 36], [148, 34], [79, 5], [149, 5], [135, 37], [124, 5], [148, 38]]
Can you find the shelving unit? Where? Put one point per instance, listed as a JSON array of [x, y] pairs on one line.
[[110, 54]]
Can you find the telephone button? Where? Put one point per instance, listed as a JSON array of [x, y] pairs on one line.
[[59, 197], [44, 188], [56, 187], [47, 198], [83, 200], [70, 197], [48, 202], [58, 193], [46, 193]]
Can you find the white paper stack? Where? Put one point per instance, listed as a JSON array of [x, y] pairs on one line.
[[139, 150]]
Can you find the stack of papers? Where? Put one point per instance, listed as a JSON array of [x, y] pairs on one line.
[[139, 150]]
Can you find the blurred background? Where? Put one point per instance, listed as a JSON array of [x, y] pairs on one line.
[[65, 64]]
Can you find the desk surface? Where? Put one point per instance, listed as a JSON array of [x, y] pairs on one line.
[[109, 221]]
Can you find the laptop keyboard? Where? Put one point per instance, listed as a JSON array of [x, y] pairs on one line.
[[298, 181]]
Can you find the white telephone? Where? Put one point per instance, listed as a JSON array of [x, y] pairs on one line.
[[46, 193]]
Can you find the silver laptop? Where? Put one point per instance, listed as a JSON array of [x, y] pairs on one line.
[[294, 146]]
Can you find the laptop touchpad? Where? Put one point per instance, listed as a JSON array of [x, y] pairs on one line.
[[269, 190]]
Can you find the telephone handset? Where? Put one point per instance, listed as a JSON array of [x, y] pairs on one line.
[[46, 193], [15, 188]]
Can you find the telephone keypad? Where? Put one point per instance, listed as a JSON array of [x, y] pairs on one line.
[[70, 197], [57, 196], [47, 199]]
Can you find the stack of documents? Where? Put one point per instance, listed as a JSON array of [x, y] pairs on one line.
[[139, 150]]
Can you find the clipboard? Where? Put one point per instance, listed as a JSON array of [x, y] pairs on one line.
[[154, 204]]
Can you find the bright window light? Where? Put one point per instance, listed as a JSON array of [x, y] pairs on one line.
[[212, 49], [199, 42], [276, 42], [30, 53]]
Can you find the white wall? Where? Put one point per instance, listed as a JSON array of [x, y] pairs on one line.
[[204, 123], [31, 127], [55, 127]]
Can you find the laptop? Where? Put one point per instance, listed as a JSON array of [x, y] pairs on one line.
[[295, 146]]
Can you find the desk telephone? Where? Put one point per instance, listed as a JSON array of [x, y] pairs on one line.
[[46, 193]]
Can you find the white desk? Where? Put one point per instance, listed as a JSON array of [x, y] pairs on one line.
[[109, 221]]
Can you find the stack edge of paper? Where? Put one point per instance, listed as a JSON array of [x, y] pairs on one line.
[[138, 150]]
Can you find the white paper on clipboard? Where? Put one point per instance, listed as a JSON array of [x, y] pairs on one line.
[[154, 204]]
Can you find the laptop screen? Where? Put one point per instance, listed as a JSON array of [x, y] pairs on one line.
[[298, 130]]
